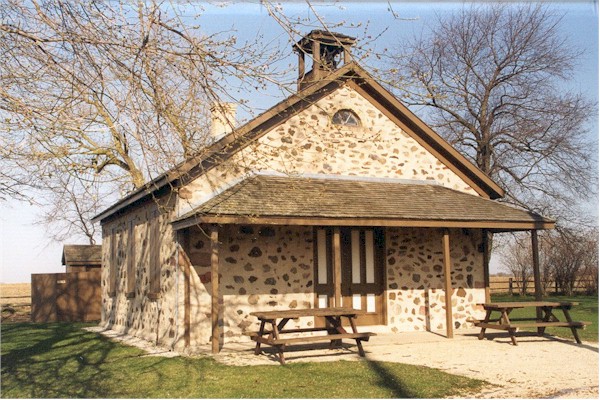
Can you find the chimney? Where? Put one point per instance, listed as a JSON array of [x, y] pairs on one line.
[[327, 51], [222, 119]]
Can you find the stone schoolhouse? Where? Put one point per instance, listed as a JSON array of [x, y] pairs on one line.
[[336, 196]]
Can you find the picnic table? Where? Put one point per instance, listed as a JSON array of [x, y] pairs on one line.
[[503, 322], [272, 328]]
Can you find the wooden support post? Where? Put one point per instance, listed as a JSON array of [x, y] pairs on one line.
[[186, 266], [448, 284], [301, 67], [316, 55], [337, 268], [347, 57], [301, 64], [486, 264], [214, 275], [536, 273]]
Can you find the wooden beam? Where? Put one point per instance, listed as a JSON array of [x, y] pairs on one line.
[[486, 263], [316, 55], [448, 284], [187, 265], [536, 273], [496, 226], [337, 268], [214, 274], [347, 56], [536, 265]]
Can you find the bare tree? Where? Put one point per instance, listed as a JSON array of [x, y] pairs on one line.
[[568, 259], [517, 256], [493, 79], [590, 261], [518, 262], [567, 253], [102, 96]]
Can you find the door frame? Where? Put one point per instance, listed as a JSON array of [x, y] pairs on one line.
[[338, 282]]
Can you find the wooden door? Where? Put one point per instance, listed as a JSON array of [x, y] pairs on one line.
[[362, 257], [362, 272]]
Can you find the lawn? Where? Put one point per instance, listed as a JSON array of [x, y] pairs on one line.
[[63, 361], [587, 310]]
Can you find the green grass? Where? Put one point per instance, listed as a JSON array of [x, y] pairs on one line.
[[587, 310], [63, 361]]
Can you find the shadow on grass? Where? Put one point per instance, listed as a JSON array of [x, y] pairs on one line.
[[57, 360], [388, 380]]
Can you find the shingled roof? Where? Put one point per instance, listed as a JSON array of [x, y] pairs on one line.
[[357, 201], [81, 254], [361, 81]]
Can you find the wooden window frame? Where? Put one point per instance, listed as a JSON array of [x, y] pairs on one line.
[[344, 122]]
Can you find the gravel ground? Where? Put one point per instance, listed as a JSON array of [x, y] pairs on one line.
[[539, 367]]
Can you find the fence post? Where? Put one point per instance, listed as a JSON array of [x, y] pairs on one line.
[[510, 286]]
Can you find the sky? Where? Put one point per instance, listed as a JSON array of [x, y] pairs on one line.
[[24, 246]]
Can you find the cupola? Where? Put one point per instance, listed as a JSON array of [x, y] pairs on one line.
[[326, 49]]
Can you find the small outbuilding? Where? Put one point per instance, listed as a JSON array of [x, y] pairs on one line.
[[81, 257]]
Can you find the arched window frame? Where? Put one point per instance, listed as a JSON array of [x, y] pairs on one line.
[[344, 120]]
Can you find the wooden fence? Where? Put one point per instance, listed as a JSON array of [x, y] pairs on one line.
[[505, 284], [74, 296]]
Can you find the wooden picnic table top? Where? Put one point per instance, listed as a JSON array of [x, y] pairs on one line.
[[524, 304], [307, 312]]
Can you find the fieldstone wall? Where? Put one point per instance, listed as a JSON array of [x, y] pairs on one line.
[[415, 287], [154, 319], [260, 268], [309, 143], [270, 268]]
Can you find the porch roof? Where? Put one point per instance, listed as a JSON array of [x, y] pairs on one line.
[[354, 201]]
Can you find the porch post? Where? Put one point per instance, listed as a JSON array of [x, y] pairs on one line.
[[486, 264], [214, 275], [448, 284], [337, 268], [537, 280]]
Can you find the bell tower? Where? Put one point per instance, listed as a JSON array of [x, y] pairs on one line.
[[327, 51]]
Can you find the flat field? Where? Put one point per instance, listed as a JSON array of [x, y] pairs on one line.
[[15, 299], [10, 291]]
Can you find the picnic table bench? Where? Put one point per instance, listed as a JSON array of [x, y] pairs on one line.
[[272, 327], [503, 322]]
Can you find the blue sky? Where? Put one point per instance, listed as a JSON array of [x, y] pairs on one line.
[[24, 247]]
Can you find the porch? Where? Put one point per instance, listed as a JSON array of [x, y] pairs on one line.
[[398, 251]]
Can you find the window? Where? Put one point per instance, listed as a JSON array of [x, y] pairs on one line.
[[345, 118]]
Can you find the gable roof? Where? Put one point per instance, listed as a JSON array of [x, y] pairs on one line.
[[81, 254], [356, 201], [358, 79]]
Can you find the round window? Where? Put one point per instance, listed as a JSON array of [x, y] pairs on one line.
[[345, 118]]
